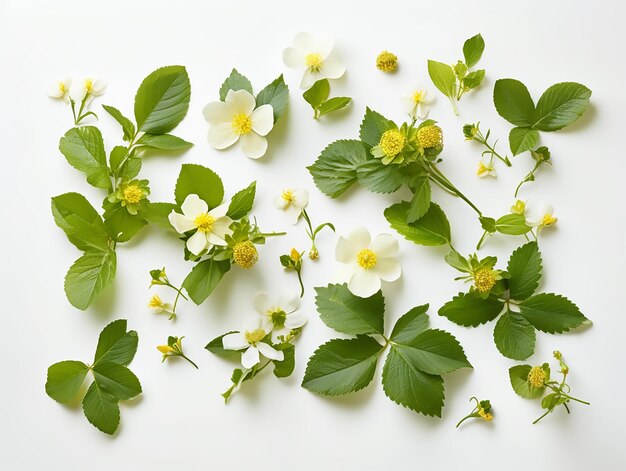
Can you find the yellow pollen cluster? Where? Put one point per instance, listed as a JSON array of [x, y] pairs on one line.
[[132, 194], [245, 254], [287, 196], [255, 336], [242, 124], [536, 377], [430, 136], [314, 61], [387, 61], [484, 279], [418, 96], [548, 220], [204, 222], [155, 301], [485, 415], [89, 85], [392, 142], [366, 258]]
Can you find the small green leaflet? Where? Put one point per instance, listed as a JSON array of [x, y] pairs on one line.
[[431, 229], [235, 81], [513, 102], [163, 142], [443, 78], [560, 105], [410, 325], [204, 278], [83, 147], [373, 126], [80, 221], [65, 380], [242, 202], [201, 181], [317, 97], [469, 310], [512, 224], [89, 276], [115, 344], [523, 139], [420, 203], [514, 336], [473, 50], [128, 127], [525, 270], [335, 170], [551, 313], [275, 94]]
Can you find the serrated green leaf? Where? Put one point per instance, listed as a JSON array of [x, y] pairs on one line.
[[522, 140], [420, 203], [379, 178], [204, 278], [469, 310], [88, 276], [518, 376], [275, 94], [116, 380], [373, 126], [317, 94], [560, 105], [473, 50], [551, 313], [341, 366], [242, 202], [235, 81], [83, 148], [513, 102], [128, 127], [443, 77], [115, 344], [334, 104], [512, 224], [410, 325], [488, 224], [335, 170], [65, 380], [284, 368], [525, 269], [101, 409], [514, 336], [431, 229], [163, 142], [201, 181], [162, 100], [80, 221]]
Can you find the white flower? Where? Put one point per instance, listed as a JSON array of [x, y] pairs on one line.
[[61, 89], [280, 316], [292, 202], [92, 87], [418, 103], [365, 262], [485, 170], [211, 226], [238, 117], [541, 215], [251, 341], [314, 57]]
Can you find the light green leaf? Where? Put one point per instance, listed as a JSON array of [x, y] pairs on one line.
[[284, 368], [469, 310], [83, 148], [234, 82], [117, 157], [335, 170], [379, 178], [525, 270], [420, 203], [513, 102], [101, 409], [65, 380], [373, 126], [163, 142], [88, 276], [519, 381], [199, 180], [120, 224], [334, 104], [551, 313], [216, 346], [514, 336], [80, 221], [344, 312], [127, 125], [561, 105], [410, 325], [162, 100], [473, 50], [115, 344], [443, 77], [242, 202], [458, 261], [512, 224], [116, 380], [157, 213], [275, 94], [431, 229], [474, 79], [522, 140], [341, 366], [317, 94], [204, 278]]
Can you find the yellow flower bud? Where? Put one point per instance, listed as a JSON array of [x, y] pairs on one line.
[[430, 136], [536, 377], [245, 254], [387, 61], [295, 255]]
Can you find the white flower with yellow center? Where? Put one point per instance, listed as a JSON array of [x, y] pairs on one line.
[[485, 169], [92, 87], [418, 103], [292, 202], [252, 342], [237, 117], [279, 316], [541, 215], [61, 89], [365, 262], [315, 58], [211, 226]]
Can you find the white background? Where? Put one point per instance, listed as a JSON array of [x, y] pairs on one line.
[[180, 421]]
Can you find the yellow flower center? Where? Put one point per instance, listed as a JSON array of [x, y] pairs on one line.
[[204, 222], [242, 124], [548, 220], [366, 258], [62, 88], [314, 61], [255, 336], [287, 196], [132, 194], [245, 254], [392, 142], [519, 207], [418, 96], [278, 317], [430, 136], [89, 85], [387, 61], [483, 169], [155, 301], [485, 415], [536, 377], [484, 279]]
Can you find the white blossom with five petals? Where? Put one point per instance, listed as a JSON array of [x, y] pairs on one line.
[[251, 342], [292, 202], [280, 316]]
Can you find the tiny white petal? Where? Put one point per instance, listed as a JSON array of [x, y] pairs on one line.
[[222, 135], [181, 223], [359, 237], [385, 245], [241, 101], [293, 58], [235, 341], [345, 250], [269, 352], [253, 145], [262, 120], [332, 68], [218, 112], [250, 357], [300, 198], [262, 303], [388, 269], [193, 206], [219, 211], [197, 243], [364, 283]]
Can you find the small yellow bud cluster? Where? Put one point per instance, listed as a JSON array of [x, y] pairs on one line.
[[392, 142], [485, 415], [430, 136], [245, 254], [387, 61], [484, 280], [536, 377]]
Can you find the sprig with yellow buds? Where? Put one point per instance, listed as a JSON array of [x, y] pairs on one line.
[[312, 233], [541, 156], [486, 280], [293, 261], [387, 62], [532, 382], [472, 132], [482, 410], [174, 348], [159, 278]]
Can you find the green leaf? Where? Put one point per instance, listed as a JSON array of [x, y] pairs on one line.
[[518, 376], [473, 50], [162, 100], [334, 104], [341, 366], [420, 203], [120, 224], [488, 224], [83, 148], [65, 380], [434, 352], [525, 270], [127, 125], [88, 276], [373, 126], [242, 202], [101, 409], [523, 139], [512, 224], [458, 261], [474, 79], [514, 336], [406, 385], [335, 170], [163, 142], [410, 325], [275, 94], [199, 180], [117, 157], [379, 178], [344, 312], [431, 229], [284, 368], [551, 313], [116, 380], [204, 278], [234, 82], [80, 221], [560, 105], [513, 102], [317, 94], [157, 213], [216, 346], [443, 77], [115, 344], [469, 310]]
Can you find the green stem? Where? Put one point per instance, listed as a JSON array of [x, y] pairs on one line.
[[456, 110], [444, 180], [300, 281], [272, 234], [482, 240], [472, 415], [547, 412], [189, 360]]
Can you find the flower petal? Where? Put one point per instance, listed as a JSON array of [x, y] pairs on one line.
[[309, 78], [364, 283], [262, 303], [332, 68], [345, 271], [219, 211], [388, 269], [360, 238], [262, 119], [222, 136], [269, 352], [280, 202], [253, 145], [241, 101], [384, 245], [345, 251], [181, 223], [304, 42], [197, 243], [291, 304], [293, 214], [293, 58], [250, 357], [300, 198], [218, 112], [295, 320], [235, 341], [194, 206], [323, 46]]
